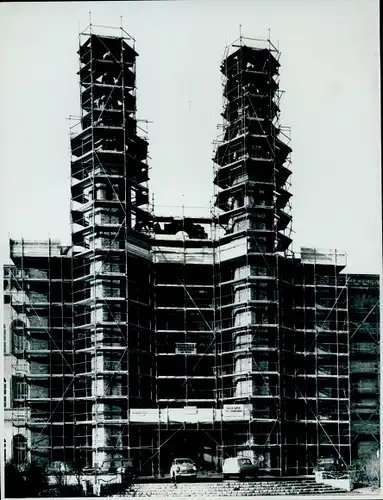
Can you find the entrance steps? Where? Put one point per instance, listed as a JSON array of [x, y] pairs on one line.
[[231, 489]]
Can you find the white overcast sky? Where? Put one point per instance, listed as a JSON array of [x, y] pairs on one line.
[[330, 72]]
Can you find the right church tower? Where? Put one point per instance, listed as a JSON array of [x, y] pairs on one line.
[[252, 172], [282, 325]]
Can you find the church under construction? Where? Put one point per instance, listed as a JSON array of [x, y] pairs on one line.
[[154, 336]]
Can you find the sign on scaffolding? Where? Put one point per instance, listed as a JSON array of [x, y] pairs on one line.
[[148, 415], [233, 412], [186, 348]]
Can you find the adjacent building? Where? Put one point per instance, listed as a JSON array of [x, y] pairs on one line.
[[363, 292]]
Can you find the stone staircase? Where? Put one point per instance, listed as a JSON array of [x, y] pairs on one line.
[[231, 489]]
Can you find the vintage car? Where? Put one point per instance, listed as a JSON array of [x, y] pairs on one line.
[[240, 468], [326, 464], [59, 468], [183, 468], [123, 466]]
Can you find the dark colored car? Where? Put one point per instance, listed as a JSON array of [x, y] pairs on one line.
[[122, 466], [326, 464]]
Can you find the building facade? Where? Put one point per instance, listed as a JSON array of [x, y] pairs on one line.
[[153, 336], [363, 291]]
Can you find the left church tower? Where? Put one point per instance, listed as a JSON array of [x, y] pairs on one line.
[[112, 335]]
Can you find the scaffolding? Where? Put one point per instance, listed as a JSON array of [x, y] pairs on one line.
[[183, 279], [111, 266], [41, 337], [321, 409], [252, 171], [157, 335], [15, 369], [363, 293]]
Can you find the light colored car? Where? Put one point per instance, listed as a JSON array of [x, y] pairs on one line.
[[239, 467], [183, 468], [60, 473], [58, 468]]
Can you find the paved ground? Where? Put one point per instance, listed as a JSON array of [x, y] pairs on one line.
[[368, 491], [343, 496], [359, 493], [208, 476]]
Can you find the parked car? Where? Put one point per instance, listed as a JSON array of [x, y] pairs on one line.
[[331, 468], [326, 464], [183, 468], [239, 467], [59, 473], [122, 466], [59, 468]]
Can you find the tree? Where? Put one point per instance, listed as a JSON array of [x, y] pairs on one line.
[[14, 481], [366, 470], [35, 479]]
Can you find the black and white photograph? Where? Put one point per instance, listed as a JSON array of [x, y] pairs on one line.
[[190, 248]]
